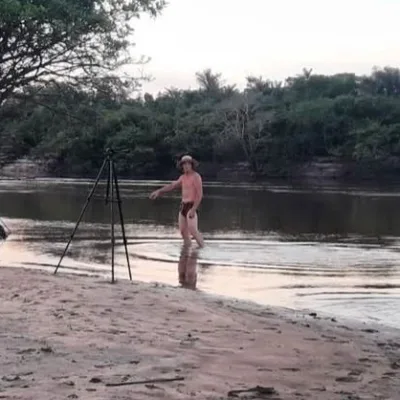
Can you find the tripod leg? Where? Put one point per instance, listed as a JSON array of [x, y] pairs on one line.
[[111, 186], [121, 219], [82, 213], [109, 181]]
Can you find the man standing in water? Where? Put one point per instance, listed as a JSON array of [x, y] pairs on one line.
[[192, 194]]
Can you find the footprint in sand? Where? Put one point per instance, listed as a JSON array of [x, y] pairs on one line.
[[67, 383], [74, 314], [11, 378], [64, 301], [390, 345], [348, 379], [100, 366], [369, 331], [330, 338], [395, 365], [290, 369], [312, 339], [318, 389], [352, 377], [26, 351], [345, 327]]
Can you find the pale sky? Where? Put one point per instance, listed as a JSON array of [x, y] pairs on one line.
[[270, 38]]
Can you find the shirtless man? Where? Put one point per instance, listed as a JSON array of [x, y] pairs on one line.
[[192, 194]]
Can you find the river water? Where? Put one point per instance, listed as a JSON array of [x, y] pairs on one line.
[[331, 249]]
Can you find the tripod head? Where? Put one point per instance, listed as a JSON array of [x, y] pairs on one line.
[[109, 152]]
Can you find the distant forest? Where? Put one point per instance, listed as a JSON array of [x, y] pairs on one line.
[[270, 126], [62, 103]]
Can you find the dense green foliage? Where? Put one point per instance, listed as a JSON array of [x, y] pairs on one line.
[[63, 101], [272, 126], [82, 42]]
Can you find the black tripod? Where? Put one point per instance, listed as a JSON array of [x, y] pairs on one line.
[[112, 183]]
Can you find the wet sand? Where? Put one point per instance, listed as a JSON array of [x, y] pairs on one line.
[[75, 337]]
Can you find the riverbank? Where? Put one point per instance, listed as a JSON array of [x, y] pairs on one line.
[[70, 337], [321, 170]]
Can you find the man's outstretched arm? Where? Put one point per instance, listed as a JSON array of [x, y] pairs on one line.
[[165, 189]]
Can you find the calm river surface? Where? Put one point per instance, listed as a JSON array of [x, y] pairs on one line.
[[331, 249]]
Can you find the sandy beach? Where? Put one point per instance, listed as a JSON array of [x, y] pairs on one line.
[[74, 337]]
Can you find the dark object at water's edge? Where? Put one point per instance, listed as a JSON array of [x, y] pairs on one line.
[[3, 233]]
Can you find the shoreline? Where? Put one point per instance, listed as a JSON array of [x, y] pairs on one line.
[[326, 169], [243, 304], [68, 336], [311, 177]]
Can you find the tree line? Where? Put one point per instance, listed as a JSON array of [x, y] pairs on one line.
[[62, 102], [270, 126]]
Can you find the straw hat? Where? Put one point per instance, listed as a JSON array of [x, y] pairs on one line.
[[188, 158]]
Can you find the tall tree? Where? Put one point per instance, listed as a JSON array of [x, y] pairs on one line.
[[208, 81], [82, 41]]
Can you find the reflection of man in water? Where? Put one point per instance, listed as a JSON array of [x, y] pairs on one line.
[[192, 194], [187, 267]]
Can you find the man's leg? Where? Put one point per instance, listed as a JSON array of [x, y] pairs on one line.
[[193, 230], [184, 229]]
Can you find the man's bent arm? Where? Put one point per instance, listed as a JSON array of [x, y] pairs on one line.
[[199, 192]]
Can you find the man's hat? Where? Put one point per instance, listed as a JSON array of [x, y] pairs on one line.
[[189, 159]]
